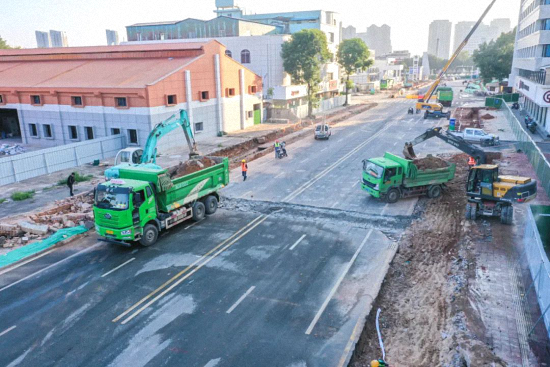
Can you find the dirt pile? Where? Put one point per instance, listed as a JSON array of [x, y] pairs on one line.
[[425, 318], [191, 166], [430, 162], [487, 117], [467, 117], [70, 212]]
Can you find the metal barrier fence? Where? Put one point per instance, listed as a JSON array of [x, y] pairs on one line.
[[527, 145], [42, 162], [539, 266]]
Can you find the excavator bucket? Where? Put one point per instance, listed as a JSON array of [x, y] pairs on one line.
[[408, 152]]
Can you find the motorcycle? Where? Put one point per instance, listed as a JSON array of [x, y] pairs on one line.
[[532, 126], [281, 152], [410, 111], [515, 106]]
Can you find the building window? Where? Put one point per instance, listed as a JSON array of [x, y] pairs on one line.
[[76, 100], [73, 132], [33, 130], [546, 24], [162, 36], [245, 57], [199, 126], [171, 100], [228, 53], [139, 36], [132, 136], [230, 92], [546, 51], [121, 102], [47, 130], [252, 89], [89, 132], [35, 100], [2, 101], [249, 114], [204, 96], [222, 33], [331, 37], [115, 131]]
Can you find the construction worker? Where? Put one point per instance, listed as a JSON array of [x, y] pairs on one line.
[[70, 182], [471, 162], [378, 363], [244, 168], [277, 148]]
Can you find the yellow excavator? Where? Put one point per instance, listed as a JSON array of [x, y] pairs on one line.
[[436, 109]]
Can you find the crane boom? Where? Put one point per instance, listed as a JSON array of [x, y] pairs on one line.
[[429, 94], [456, 141], [163, 128]]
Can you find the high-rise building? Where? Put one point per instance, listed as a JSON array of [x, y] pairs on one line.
[[59, 39], [439, 39], [530, 75], [379, 39], [42, 39], [484, 33], [501, 25], [112, 37], [461, 31], [349, 32]]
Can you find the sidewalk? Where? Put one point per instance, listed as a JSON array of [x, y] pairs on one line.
[[47, 190]]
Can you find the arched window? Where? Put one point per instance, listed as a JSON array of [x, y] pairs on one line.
[[228, 53], [245, 57]]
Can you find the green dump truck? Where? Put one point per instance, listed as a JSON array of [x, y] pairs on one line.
[[144, 200], [391, 178], [445, 96]]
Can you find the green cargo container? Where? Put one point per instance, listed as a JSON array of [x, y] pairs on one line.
[[144, 201], [392, 177]]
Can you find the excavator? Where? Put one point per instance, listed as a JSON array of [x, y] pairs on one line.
[[489, 194], [436, 109], [148, 155]]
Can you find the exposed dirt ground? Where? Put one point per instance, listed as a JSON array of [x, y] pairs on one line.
[[428, 318]]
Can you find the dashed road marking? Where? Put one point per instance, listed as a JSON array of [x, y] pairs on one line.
[[297, 242], [240, 299], [118, 267], [7, 330]]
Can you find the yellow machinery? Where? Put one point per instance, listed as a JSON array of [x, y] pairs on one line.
[[437, 108]]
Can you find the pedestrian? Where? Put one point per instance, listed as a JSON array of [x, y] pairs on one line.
[[70, 182], [471, 162], [244, 168], [277, 148]]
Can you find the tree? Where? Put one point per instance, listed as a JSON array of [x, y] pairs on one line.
[[303, 57], [353, 54], [4, 44], [494, 59], [436, 63]]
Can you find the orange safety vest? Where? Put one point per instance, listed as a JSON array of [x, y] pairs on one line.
[[244, 167], [471, 161]]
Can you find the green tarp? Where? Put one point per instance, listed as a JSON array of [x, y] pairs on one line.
[[35, 247]]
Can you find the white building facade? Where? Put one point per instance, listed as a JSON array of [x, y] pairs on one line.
[[439, 39], [530, 74]]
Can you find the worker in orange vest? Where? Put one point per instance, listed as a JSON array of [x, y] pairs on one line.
[[471, 162], [244, 168]]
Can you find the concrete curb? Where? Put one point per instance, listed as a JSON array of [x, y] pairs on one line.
[[17, 263]]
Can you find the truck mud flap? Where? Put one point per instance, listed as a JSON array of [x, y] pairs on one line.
[[116, 242]]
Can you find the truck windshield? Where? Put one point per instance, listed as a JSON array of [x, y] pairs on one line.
[[115, 198], [373, 169]]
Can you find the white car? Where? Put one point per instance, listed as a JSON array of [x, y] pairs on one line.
[[478, 136]]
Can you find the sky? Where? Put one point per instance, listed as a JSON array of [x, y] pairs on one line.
[[86, 21]]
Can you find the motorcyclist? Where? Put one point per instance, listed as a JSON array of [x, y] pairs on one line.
[[411, 111], [283, 149], [277, 148]]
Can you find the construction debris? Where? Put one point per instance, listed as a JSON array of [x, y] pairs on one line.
[[430, 162], [6, 149], [190, 166]]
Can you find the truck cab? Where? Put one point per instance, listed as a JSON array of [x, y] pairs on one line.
[[122, 208], [379, 175]]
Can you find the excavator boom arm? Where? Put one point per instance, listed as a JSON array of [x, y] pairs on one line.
[[165, 127]]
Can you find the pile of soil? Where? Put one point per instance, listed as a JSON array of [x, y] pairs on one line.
[[426, 318], [193, 165], [487, 117], [430, 162]]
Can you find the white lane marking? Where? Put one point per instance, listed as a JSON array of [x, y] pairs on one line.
[[192, 225], [383, 212], [305, 160], [27, 261], [335, 203], [322, 150], [394, 144], [280, 174], [356, 182], [411, 207], [338, 282], [133, 252], [118, 267], [297, 242], [52, 265], [213, 362], [245, 194], [323, 173], [7, 330], [240, 299]]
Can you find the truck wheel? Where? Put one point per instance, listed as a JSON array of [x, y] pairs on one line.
[[425, 116], [434, 191], [211, 204], [468, 211], [198, 211], [510, 216], [503, 215], [473, 211], [150, 235], [392, 196]]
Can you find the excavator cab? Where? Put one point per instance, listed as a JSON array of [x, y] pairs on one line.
[[481, 179], [484, 182]]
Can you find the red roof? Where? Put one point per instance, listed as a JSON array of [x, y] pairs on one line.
[[97, 73]]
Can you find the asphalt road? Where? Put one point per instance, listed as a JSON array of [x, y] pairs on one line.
[[283, 275]]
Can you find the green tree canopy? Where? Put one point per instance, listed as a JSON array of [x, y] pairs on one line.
[[494, 59], [4, 44], [303, 57], [353, 54]]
